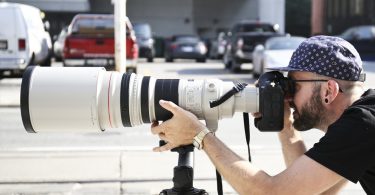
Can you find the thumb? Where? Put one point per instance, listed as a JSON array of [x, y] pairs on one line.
[[170, 106], [166, 147]]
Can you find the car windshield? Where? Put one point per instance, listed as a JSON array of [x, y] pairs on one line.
[[142, 30], [256, 28], [189, 39], [280, 43], [94, 23]]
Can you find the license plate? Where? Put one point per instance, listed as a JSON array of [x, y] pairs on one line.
[[3, 44], [187, 49], [97, 62]]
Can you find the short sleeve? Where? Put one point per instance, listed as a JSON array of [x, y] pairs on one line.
[[348, 147]]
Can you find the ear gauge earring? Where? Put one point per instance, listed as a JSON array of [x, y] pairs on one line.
[[326, 101]]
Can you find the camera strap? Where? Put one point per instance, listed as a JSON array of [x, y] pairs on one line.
[[246, 125], [237, 88]]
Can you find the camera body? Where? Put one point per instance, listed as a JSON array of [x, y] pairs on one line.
[[271, 101]]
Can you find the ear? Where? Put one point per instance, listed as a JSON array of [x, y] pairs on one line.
[[331, 91]]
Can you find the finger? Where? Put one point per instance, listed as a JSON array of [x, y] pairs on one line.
[[157, 129], [154, 124], [170, 106], [166, 147], [162, 136], [256, 114]]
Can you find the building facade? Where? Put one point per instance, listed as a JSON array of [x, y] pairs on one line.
[[168, 17], [334, 16]]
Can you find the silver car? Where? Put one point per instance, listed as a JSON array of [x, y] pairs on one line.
[[58, 45]]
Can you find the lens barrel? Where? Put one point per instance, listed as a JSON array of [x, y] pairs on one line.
[[92, 99]]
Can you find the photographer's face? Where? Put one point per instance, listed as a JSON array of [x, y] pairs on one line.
[[309, 111]]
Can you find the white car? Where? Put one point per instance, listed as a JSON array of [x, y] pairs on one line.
[[23, 38], [276, 52]]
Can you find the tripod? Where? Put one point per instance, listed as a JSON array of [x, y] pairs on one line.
[[183, 174]]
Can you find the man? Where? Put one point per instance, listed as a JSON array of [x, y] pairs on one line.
[[329, 95]]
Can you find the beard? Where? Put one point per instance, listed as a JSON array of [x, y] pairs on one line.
[[312, 114]]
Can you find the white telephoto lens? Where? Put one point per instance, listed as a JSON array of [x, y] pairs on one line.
[[68, 99], [92, 99]]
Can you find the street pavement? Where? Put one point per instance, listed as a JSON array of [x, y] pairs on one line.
[[121, 161]]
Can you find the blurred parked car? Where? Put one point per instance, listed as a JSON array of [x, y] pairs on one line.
[[363, 39], [241, 50], [253, 26], [242, 39], [24, 39], [218, 46], [145, 41], [58, 45], [90, 42], [276, 52], [185, 47]]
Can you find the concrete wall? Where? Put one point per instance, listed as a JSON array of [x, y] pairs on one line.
[[273, 11], [170, 17], [203, 17], [57, 5], [166, 17], [213, 16], [100, 6]]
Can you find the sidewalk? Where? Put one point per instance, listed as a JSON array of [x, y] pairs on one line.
[[96, 172], [110, 171]]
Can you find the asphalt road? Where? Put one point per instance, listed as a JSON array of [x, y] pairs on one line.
[[265, 147]]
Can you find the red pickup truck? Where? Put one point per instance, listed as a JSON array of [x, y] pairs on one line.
[[90, 42]]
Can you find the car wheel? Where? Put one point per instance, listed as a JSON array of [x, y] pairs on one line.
[[201, 60], [236, 69], [236, 66], [255, 75], [169, 59], [227, 61], [228, 64], [150, 59], [110, 68], [58, 59], [31, 62], [47, 62], [131, 70]]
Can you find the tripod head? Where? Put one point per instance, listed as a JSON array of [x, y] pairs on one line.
[[183, 173]]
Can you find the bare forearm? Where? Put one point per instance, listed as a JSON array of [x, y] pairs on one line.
[[241, 174], [292, 145], [336, 188]]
